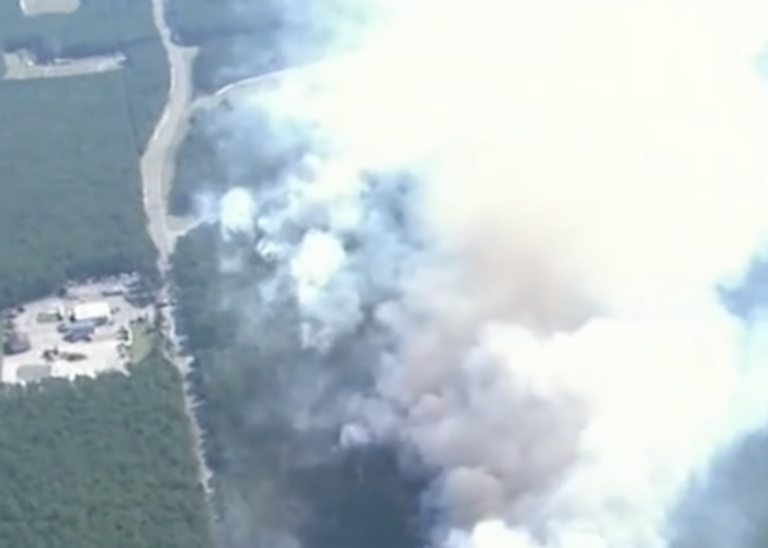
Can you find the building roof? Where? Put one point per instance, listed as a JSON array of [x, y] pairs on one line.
[[91, 311]]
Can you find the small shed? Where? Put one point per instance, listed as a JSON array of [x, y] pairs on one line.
[[99, 312]]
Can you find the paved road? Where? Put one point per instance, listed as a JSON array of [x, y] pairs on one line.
[[157, 165]]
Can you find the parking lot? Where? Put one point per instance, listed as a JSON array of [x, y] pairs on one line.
[[48, 349]]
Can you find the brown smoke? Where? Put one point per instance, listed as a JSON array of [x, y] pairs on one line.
[[469, 411]]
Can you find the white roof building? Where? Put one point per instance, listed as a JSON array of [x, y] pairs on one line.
[[99, 311]]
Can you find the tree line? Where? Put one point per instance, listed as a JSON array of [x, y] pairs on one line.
[[102, 462]]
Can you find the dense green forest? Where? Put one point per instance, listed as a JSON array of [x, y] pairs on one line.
[[269, 411], [240, 39], [98, 463], [70, 189], [70, 203]]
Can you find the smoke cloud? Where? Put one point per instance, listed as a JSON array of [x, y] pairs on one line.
[[537, 202]]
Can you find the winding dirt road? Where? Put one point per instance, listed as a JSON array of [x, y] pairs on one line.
[[157, 163], [278, 76], [157, 166], [157, 171]]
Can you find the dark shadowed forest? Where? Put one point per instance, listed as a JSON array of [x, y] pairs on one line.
[[220, 152], [244, 38]]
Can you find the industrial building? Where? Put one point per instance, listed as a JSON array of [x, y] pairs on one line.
[[98, 312], [78, 331]]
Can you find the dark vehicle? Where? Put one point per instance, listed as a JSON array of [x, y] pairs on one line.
[[78, 335]]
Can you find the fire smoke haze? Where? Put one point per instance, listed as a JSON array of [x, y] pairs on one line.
[[582, 177]]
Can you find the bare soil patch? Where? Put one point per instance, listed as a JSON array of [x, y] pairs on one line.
[[20, 65], [32, 8]]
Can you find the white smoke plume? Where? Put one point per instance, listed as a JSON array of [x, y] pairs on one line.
[[582, 175]]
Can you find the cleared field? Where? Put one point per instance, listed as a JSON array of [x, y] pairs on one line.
[[31, 8], [20, 66]]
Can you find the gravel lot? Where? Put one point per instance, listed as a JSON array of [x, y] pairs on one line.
[[101, 353]]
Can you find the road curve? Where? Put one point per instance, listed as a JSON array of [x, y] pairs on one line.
[[304, 70], [157, 165]]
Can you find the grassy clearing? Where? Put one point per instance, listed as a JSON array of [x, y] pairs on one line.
[[143, 339]]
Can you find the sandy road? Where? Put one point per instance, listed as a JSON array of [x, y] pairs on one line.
[[157, 170], [157, 163], [157, 166], [277, 76]]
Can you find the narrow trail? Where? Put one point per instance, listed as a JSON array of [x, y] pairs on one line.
[[157, 165]]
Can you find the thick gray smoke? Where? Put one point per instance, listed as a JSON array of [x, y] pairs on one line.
[[581, 178]]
